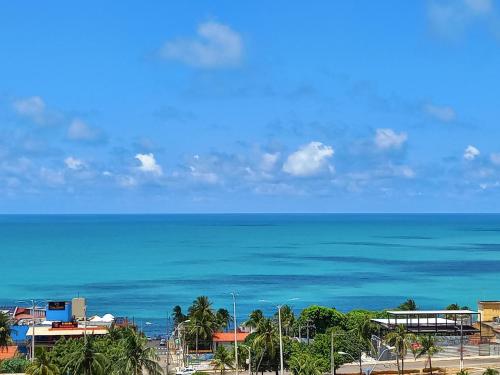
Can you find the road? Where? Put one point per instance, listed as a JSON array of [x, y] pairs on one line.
[[475, 364]]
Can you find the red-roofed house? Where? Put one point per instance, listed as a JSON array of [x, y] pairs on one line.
[[8, 352], [227, 338]]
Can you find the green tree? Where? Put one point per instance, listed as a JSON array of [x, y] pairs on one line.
[[42, 364], [408, 305], [137, 356], [266, 340], [287, 318], [222, 319], [254, 319], [401, 340], [463, 372], [428, 347], [202, 322], [305, 364], [13, 366], [5, 331], [490, 371], [177, 315], [223, 359], [85, 359], [322, 317]]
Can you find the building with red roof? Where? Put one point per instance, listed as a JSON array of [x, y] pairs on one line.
[[227, 338]]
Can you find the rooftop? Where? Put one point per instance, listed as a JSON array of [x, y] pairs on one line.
[[229, 336], [430, 312], [49, 331], [8, 352]]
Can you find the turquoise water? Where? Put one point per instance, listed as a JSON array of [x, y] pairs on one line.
[[141, 266]]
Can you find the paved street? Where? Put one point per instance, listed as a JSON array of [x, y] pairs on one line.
[[475, 364]]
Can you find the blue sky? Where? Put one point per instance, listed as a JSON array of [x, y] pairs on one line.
[[387, 106]]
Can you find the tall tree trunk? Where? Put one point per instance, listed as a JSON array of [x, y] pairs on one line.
[[360, 366], [402, 365], [197, 343], [430, 363], [397, 361]]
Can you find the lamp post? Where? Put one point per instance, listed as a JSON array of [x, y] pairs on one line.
[[249, 358], [235, 334], [281, 340], [179, 326], [33, 305]]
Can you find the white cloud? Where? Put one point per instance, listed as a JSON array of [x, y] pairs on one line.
[[268, 161], [387, 138], [471, 153], [450, 19], [308, 159], [80, 131], [441, 113], [216, 45], [32, 107], [495, 158], [74, 163], [479, 6], [148, 164]]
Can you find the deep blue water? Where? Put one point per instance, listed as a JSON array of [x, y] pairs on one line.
[[143, 265]]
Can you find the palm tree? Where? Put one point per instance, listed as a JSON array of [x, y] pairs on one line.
[[266, 340], [401, 340], [408, 305], [287, 318], [202, 319], [137, 357], [222, 318], [490, 371], [428, 347], [86, 360], [177, 315], [5, 331], [42, 365], [254, 319], [223, 359], [305, 364], [362, 335]]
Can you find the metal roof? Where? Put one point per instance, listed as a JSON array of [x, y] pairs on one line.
[[430, 312]]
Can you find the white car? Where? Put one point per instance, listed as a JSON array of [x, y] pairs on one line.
[[186, 371]]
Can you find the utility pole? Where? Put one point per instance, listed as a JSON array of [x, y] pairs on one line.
[[33, 330], [281, 341], [461, 344], [235, 334], [332, 361], [168, 348]]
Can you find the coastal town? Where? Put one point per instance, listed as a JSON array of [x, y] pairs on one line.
[[59, 338]]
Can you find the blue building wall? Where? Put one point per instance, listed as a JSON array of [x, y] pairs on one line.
[[59, 315], [19, 333]]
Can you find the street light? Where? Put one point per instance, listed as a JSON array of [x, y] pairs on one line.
[[249, 358], [34, 304], [179, 326], [282, 367], [235, 336]]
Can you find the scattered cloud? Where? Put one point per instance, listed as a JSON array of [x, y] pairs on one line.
[[82, 132], [216, 45], [35, 109], [451, 19], [269, 160], [148, 164], [441, 113], [495, 158], [386, 139], [74, 163], [471, 153], [309, 160]]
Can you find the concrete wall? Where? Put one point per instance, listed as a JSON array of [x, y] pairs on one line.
[[489, 310]]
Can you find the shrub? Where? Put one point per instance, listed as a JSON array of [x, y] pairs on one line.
[[13, 366]]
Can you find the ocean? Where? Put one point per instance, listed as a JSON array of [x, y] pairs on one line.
[[141, 266]]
